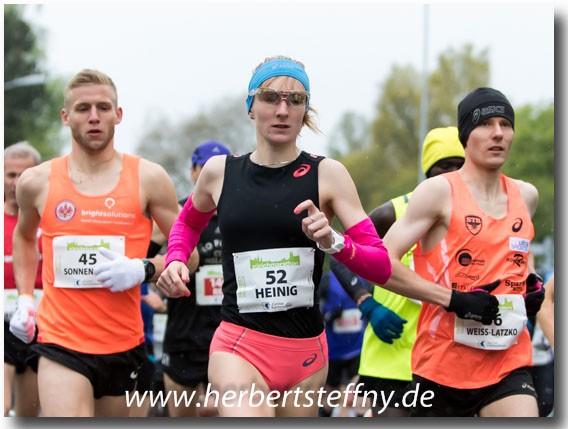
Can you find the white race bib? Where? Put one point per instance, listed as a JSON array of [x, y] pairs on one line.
[[502, 333], [271, 280], [75, 257], [349, 323], [11, 301], [160, 321], [209, 285]]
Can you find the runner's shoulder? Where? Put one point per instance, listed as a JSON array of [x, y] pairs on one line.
[[34, 179]]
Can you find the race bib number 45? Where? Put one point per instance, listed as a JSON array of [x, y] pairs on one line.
[[271, 280], [502, 333], [75, 258]]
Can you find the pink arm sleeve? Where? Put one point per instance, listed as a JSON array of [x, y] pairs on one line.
[[185, 232], [365, 254]]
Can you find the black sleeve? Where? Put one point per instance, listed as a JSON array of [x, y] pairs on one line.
[[352, 284], [153, 249], [323, 288]]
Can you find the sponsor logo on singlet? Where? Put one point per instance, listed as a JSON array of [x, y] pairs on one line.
[[517, 259], [473, 224], [463, 275], [109, 203], [519, 244], [65, 210], [517, 225], [107, 216], [304, 168], [516, 286], [460, 287], [464, 258]]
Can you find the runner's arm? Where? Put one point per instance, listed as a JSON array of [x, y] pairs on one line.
[[159, 195], [191, 221], [32, 183], [545, 317], [412, 227]]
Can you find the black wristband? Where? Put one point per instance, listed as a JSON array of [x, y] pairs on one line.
[[149, 270]]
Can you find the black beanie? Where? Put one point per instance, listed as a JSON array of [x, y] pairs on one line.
[[480, 104]]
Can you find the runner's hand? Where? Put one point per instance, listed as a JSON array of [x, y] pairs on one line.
[[315, 225], [387, 325], [173, 279], [534, 295], [22, 323], [478, 304], [121, 273]]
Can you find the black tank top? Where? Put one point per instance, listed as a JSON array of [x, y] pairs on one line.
[[256, 211], [190, 327]]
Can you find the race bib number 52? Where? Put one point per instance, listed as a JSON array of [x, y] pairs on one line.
[[271, 280]]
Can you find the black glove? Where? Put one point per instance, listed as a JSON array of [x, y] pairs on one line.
[[478, 304], [534, 294]]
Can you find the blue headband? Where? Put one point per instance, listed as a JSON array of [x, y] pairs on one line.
[[274, 68]]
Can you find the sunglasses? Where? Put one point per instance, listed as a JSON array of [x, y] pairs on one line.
[[295, 99]]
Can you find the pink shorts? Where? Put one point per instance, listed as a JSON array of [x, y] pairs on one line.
[[282, 362]]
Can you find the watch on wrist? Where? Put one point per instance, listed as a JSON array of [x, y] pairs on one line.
[[337, 245], [149, 270]]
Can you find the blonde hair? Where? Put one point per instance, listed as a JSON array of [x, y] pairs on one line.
[[22, 150], [309, 119], [89, 77]]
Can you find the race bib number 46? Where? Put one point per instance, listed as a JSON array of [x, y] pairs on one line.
[[502, 333], [271, 280], [75, 258]]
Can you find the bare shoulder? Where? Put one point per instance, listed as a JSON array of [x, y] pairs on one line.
[[333, 176], [214, 168], [529, 193], [331, 168], [431, 197], [35, 180], [434, 187], [150, 172]]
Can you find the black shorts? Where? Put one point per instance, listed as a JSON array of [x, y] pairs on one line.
[[110, 374], [18, 353], [184, 370], [341, 371], [395, 387], [452, 402]]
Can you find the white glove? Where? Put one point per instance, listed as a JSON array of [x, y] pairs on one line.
[[22, 323], [120, 273]]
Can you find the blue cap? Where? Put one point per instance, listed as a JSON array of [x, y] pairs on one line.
[[206, 150]]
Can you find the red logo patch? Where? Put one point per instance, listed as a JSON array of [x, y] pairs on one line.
[[65, 210], [304, 168]]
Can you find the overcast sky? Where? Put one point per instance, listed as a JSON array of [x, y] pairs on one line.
[[173, 60]]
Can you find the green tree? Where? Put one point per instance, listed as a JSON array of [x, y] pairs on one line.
[[31, 112], [532, 160], [387, 167], [171, 145], [351, 135]]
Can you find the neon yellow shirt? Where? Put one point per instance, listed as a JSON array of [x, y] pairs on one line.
[[392, 361]]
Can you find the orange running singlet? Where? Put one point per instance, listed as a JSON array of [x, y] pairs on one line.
[[476, 250], [88, 319]]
